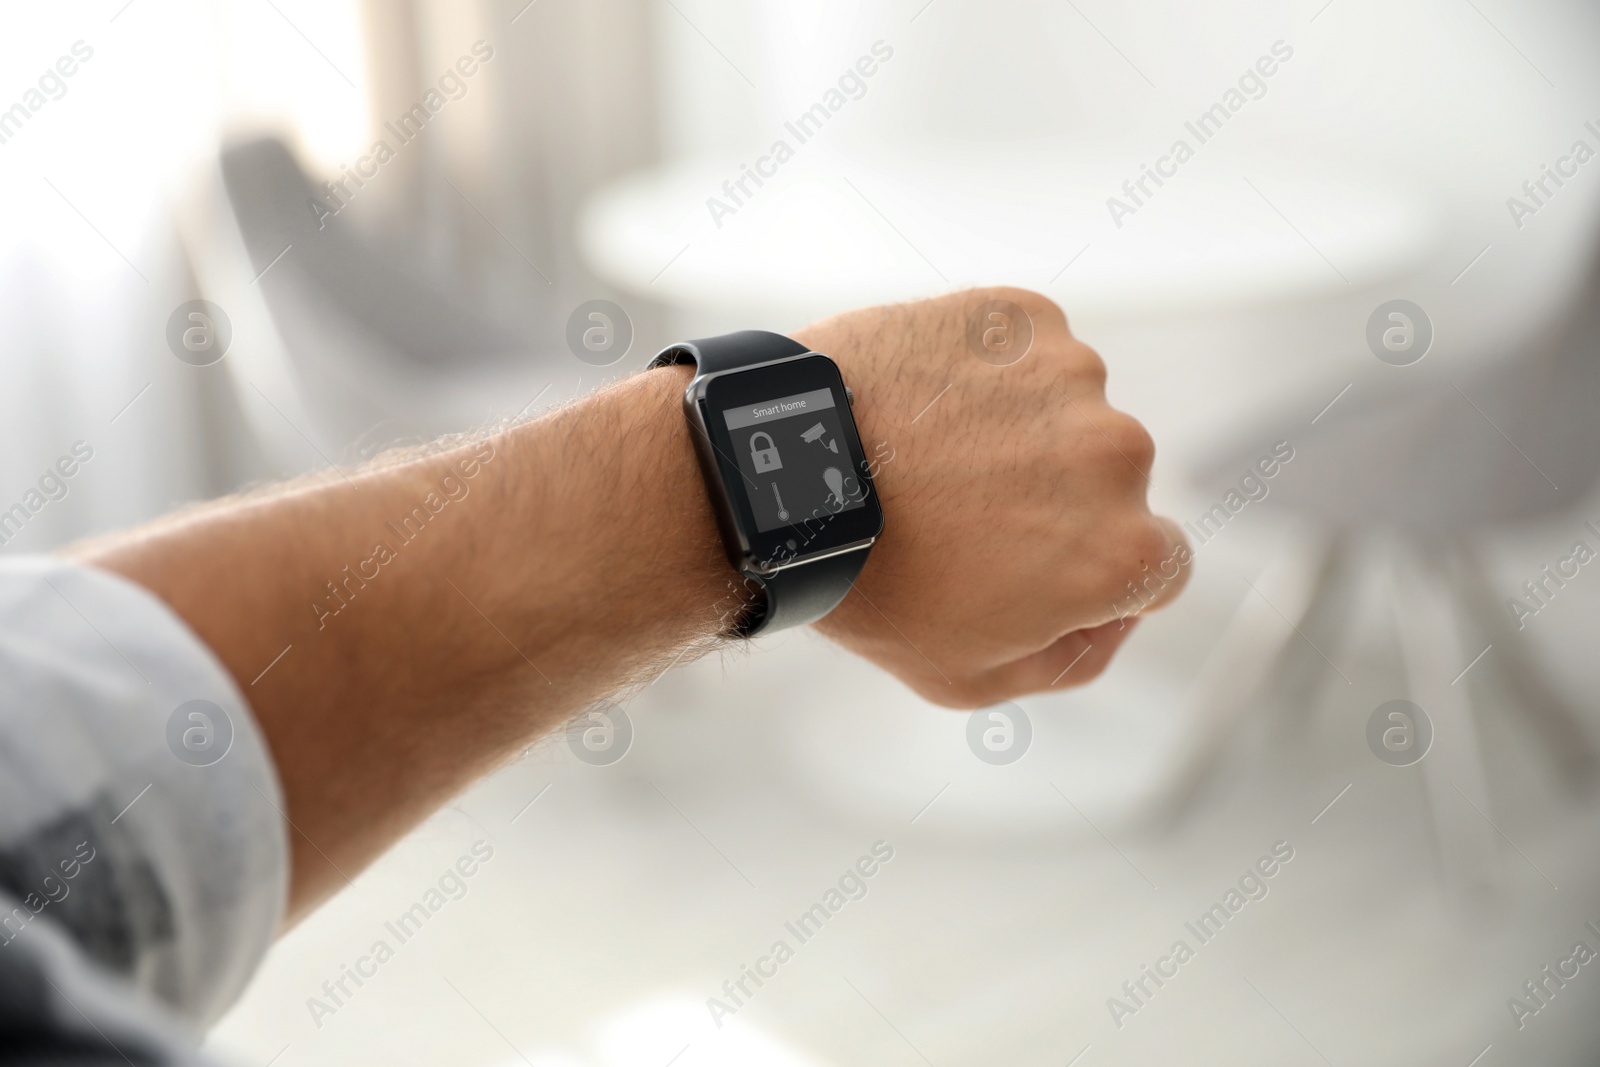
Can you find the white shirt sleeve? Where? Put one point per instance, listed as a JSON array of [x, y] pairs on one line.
[[140, 815]]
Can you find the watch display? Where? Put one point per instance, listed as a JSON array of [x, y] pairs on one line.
[[792, 483], [794, 457]]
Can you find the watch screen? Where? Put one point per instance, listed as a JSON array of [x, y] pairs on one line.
[[795, 459]]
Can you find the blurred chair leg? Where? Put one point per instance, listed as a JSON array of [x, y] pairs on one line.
[[1424, 605], [1554, 719], [1302, 674], [1235, 675]]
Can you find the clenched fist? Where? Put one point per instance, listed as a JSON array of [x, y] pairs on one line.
[[1018, 542]]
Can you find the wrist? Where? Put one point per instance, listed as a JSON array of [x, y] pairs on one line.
[[636, 561]]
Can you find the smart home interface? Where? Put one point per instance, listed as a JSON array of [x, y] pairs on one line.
[[795, 462]]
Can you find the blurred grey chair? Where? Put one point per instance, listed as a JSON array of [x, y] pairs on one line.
[[1421, 470], [272, 199], [333, 335]]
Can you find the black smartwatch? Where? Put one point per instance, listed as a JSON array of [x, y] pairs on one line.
[[788, 479]]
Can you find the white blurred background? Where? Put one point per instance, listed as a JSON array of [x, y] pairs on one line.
[[575, 165]]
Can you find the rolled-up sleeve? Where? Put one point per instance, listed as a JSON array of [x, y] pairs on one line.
[[142, 848]]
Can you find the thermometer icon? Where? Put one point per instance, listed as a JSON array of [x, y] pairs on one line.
[[783, 512]]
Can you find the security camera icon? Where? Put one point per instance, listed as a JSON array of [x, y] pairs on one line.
[[814, 436]]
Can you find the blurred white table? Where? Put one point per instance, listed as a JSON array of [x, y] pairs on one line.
[[1180, 298], [840, 232]]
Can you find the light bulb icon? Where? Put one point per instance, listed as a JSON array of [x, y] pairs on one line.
[[835, 479]]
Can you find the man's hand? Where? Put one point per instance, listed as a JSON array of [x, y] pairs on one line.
[[1017, 542]]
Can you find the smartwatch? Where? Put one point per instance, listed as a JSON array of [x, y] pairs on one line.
[[788, 479]]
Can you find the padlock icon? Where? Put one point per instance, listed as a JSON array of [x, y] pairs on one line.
[[765, 459]]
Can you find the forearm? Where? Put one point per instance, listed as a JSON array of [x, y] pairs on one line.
[[441, 613]]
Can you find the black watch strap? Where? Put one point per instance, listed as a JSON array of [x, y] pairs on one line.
[[730, 351], [803, 594], [798, 595]]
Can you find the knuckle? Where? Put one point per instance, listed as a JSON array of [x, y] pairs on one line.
[[1149, 561], [1154, 546], [1045, 314], [1030, 301], [1138, 544], [1089, 367], [1129, 437], [1132, 559]]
